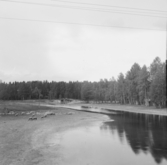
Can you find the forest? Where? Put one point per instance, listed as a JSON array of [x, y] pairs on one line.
[[140, 86]]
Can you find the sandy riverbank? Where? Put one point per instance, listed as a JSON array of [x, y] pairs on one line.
[[24, 142]]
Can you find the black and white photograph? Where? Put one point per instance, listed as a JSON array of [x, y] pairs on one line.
[[83, 82]]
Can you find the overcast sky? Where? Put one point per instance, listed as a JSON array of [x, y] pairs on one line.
[[33, 50]]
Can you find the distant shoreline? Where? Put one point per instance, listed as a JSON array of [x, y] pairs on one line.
[[123, 108], [76, 105]]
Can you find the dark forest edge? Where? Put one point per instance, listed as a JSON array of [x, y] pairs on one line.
[[139, 86]]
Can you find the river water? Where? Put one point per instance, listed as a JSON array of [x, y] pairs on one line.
[[133, 139]]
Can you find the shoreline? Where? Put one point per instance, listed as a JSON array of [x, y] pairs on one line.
[[117, 108], [97, 108]]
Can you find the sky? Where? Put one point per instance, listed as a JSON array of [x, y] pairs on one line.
[[38, 43]]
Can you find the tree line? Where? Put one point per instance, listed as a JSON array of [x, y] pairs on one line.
[[140, 85]]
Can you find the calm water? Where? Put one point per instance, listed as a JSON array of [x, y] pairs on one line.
[[125, 139]]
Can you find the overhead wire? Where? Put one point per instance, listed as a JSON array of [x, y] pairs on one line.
[[111, 6], [80, 24], [72, 23], [83, 8]]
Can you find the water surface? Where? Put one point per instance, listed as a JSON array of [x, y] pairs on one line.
[[125, 139]]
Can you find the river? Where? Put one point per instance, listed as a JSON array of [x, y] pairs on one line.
[[126, 138]]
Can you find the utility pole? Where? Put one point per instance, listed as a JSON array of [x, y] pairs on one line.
[[166, 60]]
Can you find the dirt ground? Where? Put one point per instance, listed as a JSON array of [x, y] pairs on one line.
[[24, 142]]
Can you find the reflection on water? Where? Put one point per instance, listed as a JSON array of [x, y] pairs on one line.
[[126, 139], [144, 133]]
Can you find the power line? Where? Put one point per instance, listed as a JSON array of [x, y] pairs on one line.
[[93, 4], [82, 8], [80, 24]]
